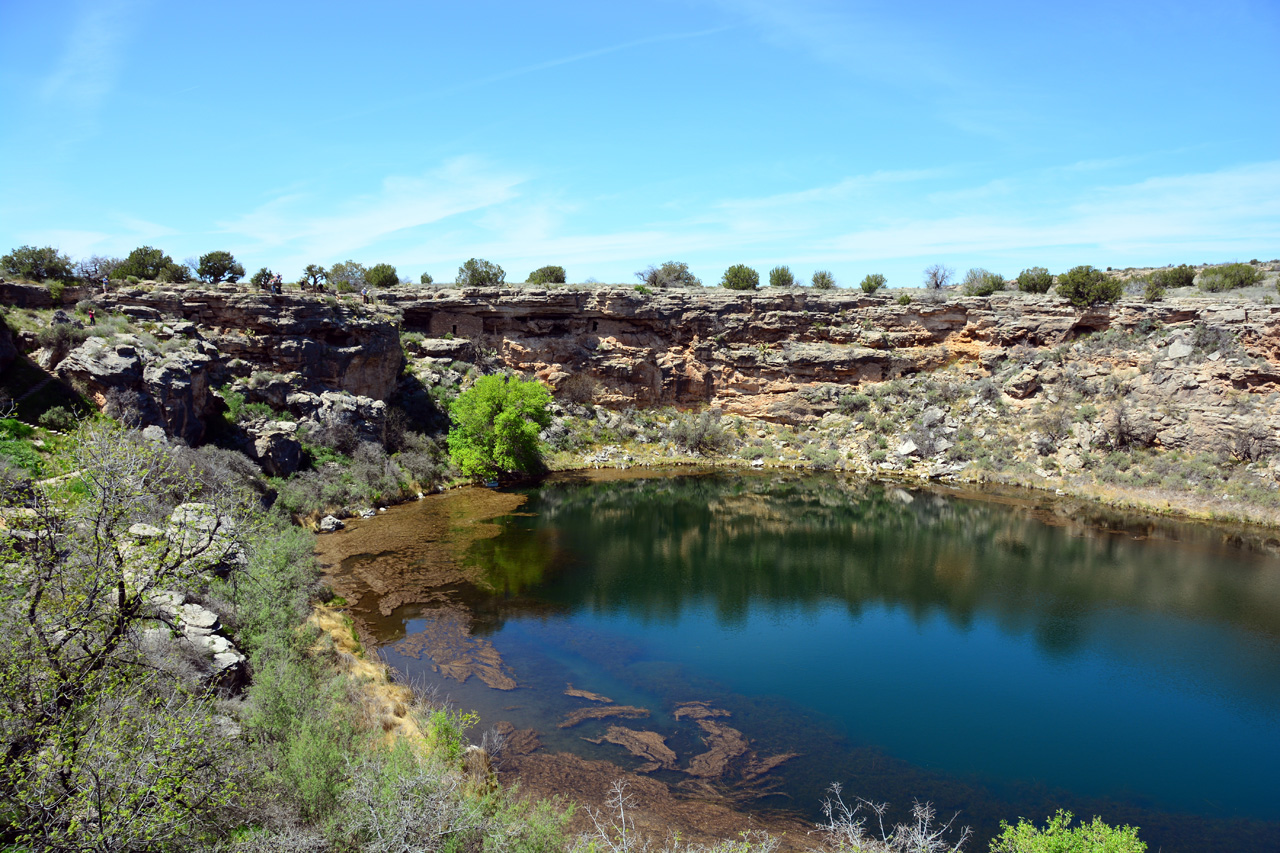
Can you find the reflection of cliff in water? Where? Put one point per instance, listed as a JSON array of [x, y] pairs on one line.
[[661, 544]]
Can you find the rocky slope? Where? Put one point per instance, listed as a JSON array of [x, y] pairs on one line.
[[1039, 384]]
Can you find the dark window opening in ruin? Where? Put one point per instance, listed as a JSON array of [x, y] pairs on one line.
[[595, 324], [455, 328]]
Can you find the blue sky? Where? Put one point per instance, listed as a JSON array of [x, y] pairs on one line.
[[856, 137]]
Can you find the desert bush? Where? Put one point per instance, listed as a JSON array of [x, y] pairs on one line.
[[980, 282], [61, 336], [382, 275], [1153, 290], [579, 388], [851, 404], [1035, 280], [478, 272], [846, 831], [59, 418], [1085, 285], [937, 276], [872, 282], [1172, 277], [904, 299], [1058, 836], [740, 277], [37, 264], [218, 266], [823, 280], [670, 274], [702, 433], [425, 278], [146, 262], [1229, 277], [97, 267], [262, 278], [547, 275], [347, 276], [780, 276]]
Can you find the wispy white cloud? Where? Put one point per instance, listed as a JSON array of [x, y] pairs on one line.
[[851, 37], [86, 72], [303, 228]]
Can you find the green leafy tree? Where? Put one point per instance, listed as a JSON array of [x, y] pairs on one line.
[[1035, 280], [1059, 836], [1086, 285], [873, 282], [780, 276], [217, 266], [670, 274], [980, 282], [382, 275], [478, 272], [823, 280], [149, 263], [314, 275], [1229, 277], [36, 264], [106, 747], [740, 277], [262, 278], [547, 275], [495, 429], [426, 278], [348, 276]]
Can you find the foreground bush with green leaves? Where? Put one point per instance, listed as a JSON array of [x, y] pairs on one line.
[[495, 430]]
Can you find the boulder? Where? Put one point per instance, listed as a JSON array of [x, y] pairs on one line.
[[276, 447], [330, 523]]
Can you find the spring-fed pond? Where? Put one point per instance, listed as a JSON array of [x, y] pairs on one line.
[[756, 636]]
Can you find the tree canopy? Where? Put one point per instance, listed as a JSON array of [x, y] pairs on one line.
[[219, 266], [36, 264], [478, 272], [495, 429], [382, 275], [740, 277]]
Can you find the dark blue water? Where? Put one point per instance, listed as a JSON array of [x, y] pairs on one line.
[[997, 658]]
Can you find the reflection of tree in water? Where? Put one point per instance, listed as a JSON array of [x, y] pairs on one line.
[[660, 544]]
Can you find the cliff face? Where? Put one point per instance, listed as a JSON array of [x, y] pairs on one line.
[[1182, 366], [763, 354]]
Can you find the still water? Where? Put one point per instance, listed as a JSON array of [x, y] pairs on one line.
[[993, 656]]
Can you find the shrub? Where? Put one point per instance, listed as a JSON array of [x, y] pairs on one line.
[[1153, 290], [1172, 277], [262, 278], [219, 266], [425, 278], [547, 275], [1059, 836], [59, 418], [823, 280], [1035, 280], [1085, 285], [872, 283], [904, 299], [347, 276], [478, 272], [670, 274], [781, 276], [36, 264], [1229, 277], [740, 277], [382, 275], [980, 282], [700, 434], [146, 262], [495, 427], [849, 404], [937, 276]]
